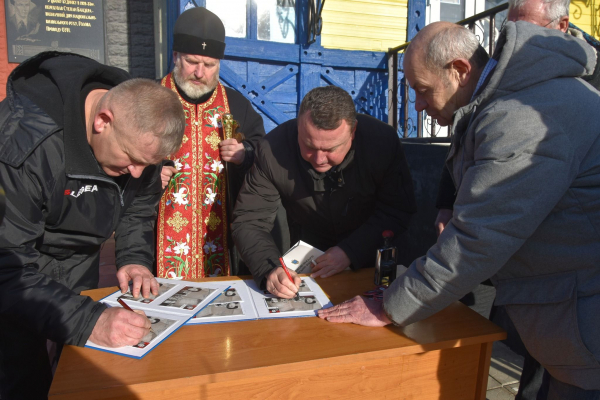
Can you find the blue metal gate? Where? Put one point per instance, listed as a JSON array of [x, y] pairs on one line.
[[276, 76]]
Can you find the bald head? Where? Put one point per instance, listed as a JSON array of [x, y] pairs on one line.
[[443, 64], [420, 43], [439, 43]]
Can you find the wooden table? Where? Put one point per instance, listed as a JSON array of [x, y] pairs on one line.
[[446, 356]]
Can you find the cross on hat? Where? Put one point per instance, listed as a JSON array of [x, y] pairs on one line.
[[199, 31]]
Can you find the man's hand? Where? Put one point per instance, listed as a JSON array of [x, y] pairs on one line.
[[118, 327], [166, 174], [357, 310], [232, 151], [332, 262], [279, 284], [141, 277], [443, 217]]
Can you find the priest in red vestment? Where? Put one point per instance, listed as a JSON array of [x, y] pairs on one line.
[[193, 238]]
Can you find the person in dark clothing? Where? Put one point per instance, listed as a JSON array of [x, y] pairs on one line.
[[343, 180], [78, 146]]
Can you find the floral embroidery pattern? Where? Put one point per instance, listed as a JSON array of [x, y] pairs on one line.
[[177, 222], [213, 117], [212, 221], [178, 188], [213, 140], [192, 221], [177, 264], [213, 256], [212, 181]]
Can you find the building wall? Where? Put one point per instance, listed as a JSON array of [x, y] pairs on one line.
[[5, 67], [374, 25], [586, 15], [129, 39]]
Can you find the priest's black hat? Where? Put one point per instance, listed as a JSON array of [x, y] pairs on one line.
[[199, 31]]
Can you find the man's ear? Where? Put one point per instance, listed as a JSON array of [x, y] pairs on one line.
[[101, 119], [461, 69], [563, 23], [174, 57]]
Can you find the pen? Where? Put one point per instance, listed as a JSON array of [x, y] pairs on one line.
[[287, 272], [125, 306]]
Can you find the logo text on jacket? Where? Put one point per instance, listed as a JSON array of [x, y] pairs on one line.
[[77, 193]]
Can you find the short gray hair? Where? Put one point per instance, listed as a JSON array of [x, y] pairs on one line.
[[451, 43], [143, 106], [553, 11]]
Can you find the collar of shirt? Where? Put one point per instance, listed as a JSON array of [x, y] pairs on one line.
[[489, 67], [20, 20], [334, 177]]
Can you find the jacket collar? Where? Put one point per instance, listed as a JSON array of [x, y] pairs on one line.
[[333, 178]]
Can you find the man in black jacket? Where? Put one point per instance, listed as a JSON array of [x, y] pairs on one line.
[[343, 180], [78, 146]]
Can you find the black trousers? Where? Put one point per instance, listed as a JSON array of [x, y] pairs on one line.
[[25, 371], [533, 373]]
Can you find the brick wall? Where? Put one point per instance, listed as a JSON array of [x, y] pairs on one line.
[[130, 36], [5, 67], [129, 39]]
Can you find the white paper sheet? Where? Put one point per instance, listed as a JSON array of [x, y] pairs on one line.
[[299, 258], [234, 304], [311, 298]]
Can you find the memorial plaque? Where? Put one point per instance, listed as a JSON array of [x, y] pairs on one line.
[[33, 26]]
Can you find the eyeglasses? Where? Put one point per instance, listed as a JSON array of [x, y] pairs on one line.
[[549, 22]]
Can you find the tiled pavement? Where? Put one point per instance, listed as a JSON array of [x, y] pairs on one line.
[[505, 368], [505, 371]]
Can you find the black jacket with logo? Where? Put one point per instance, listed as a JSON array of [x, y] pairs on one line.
[[61, 206]]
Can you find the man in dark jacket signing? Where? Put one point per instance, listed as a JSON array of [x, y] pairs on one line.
[[78, 146], [343, 180]]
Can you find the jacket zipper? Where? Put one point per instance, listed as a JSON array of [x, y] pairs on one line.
[[106, 180]]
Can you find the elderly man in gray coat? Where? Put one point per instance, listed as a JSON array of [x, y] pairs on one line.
[[525, 160]]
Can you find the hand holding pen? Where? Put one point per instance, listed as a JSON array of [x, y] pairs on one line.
[[287, 272], [283, 284], [125, 306], [117, 327]]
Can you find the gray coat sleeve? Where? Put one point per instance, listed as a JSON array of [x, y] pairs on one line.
[[505, 194]]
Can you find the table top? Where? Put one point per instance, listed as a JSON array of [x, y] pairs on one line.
[[224, 351]]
